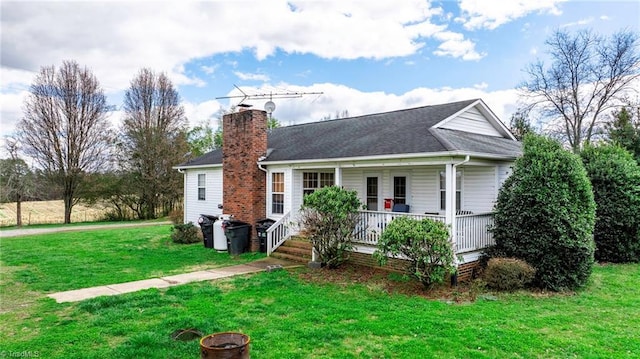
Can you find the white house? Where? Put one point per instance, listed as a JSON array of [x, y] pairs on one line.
[[443, 161]]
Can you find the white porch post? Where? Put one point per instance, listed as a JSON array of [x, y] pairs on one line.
[[450, 202], [338, 176], [451, 179], [450, 206]]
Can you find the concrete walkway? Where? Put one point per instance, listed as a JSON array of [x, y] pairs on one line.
[[266, 264]]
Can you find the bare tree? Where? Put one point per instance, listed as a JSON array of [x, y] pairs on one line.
[[589, 74], [16, 179], [153, 140], [65, 128]]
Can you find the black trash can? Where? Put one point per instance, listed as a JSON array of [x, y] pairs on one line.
[[206, 226], [238, 236], [261, 228]]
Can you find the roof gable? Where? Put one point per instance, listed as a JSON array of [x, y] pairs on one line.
[[476, 118]]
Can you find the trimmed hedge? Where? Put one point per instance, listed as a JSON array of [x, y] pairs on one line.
[[545, 215], [508, 274], [185, 233], [615, 178]]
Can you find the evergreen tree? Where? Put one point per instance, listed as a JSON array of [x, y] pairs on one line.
[[545, 215], [615, 178]]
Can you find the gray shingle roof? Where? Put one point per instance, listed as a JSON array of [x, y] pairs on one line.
[[388, 133]]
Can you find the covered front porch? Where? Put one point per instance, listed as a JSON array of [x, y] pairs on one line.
[[470, 237], [470, 232], [459, 191]]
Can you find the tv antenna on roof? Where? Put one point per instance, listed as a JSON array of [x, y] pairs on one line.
[[269, 106]]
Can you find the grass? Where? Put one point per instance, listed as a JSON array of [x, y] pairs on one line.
[[289, 317], [70, 260]]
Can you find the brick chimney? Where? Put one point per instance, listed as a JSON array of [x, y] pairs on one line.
[[244, 184]]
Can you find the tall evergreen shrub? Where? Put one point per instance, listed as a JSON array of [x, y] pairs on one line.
[[545, 215], [330, 216], [615, 178]]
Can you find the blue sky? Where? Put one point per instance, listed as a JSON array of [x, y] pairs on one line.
[[364, 56]]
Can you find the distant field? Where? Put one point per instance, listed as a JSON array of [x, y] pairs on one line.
[[45, 212]]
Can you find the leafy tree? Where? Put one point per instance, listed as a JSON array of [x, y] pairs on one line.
[[330, 216], [65, 127], [545, 215], [201, 140], [624, 130], [588, 75], [425, 243], [217, 137], [112, 189], [153, 139], [521, 124], [16, 179], [615, 178]]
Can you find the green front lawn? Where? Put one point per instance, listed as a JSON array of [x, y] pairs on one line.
[[62, 261], [289, 317]]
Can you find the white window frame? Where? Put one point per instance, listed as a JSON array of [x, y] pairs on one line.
[[406, 187], [277, 192], [442, 178], [322, 179], [202, 186], [378, 194]]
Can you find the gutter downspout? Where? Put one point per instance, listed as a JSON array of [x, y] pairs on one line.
[[454, 229], [260, 165]]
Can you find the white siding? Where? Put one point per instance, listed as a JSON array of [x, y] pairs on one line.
[[194, 207], [296, 188], [354, 180], [504, 171], [478, 188], [472, 121], [425, 189], [422, 186]]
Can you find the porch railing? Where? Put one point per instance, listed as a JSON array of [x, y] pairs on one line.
[[472, 229], [278, 233], [373, 223], [473, 232]]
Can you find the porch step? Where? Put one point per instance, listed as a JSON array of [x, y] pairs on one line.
[[297, 249]]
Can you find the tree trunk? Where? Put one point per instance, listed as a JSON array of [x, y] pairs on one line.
[[68, 205], [19, 210]]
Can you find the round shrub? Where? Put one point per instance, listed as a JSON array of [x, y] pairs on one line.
[[615, 178], [185, 233], [508, 274], [424, 243], [330, 216], [545, 215]]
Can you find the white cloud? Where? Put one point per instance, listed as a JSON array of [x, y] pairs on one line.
[[116, 39], [209, 70], [490, 14], [481, 86], [207, 112], [455, 45], [580, 22], [251, 77]]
